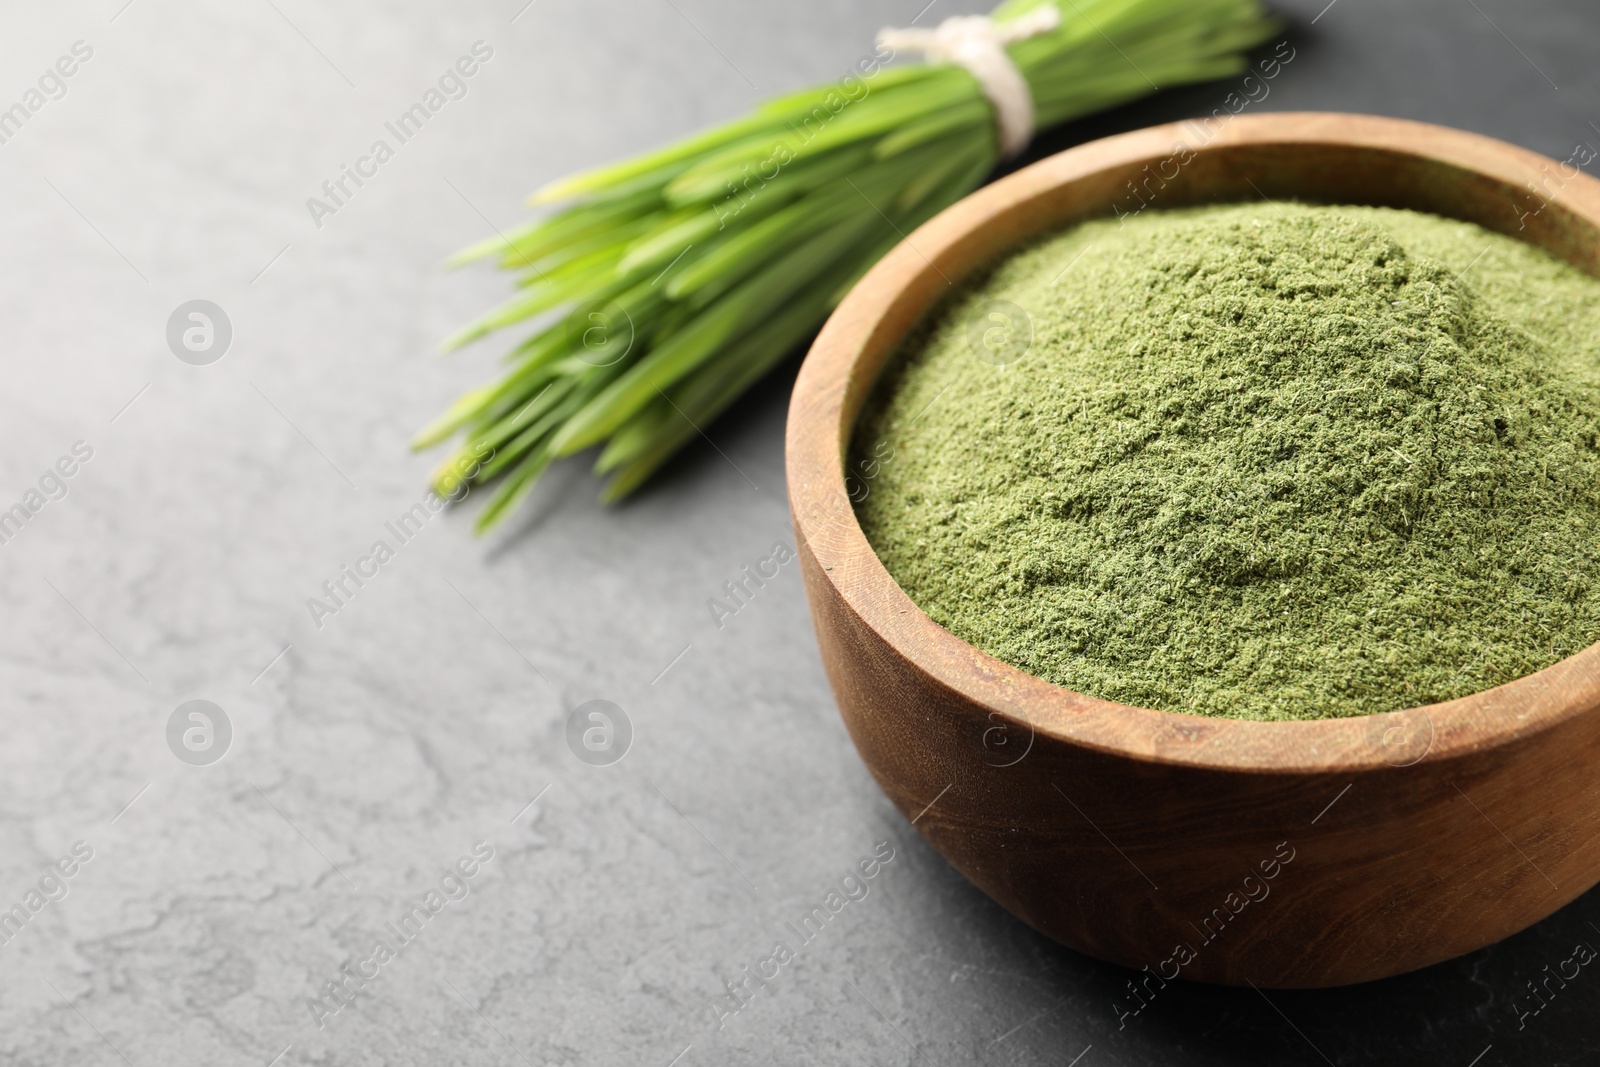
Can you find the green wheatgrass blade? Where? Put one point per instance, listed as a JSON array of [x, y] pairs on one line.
[[845, 132], [546, 400], [1011, 10], [734, 257], [662, 247], [601, 285], [672, 422], [828, 132], [578, 224], [675, 357], [955, 187], [962, 116], [707, 176], [605, 285], [514, 490], [711, 186], [743, 250], [700, 339], [536, 437], [531, 393], [726, 251], [558, 342], [564, 227], [513, 397], [598, 265], [687, 150], [530, 349], [562, 400], [774, 114], [489, 246], [803, 100], [750, 358], [634, 474], [540, 348], [636, 438], [651, 181], [533, 439], [697, 401], [617, 235], [978, 149], [663, 419], [953, 88], [455, 416]]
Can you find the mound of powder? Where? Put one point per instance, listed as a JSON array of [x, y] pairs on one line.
[[1269, 461]]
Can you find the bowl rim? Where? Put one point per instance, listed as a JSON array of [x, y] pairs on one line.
[[879, 311]]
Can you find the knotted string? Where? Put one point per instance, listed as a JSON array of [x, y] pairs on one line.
[[978, 44]]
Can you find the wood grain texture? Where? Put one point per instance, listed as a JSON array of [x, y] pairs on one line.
[[1144, 837]]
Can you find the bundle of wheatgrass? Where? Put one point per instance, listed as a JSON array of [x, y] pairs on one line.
[[670, 283]]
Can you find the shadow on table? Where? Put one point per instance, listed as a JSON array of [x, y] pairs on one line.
[[1474, 1011]]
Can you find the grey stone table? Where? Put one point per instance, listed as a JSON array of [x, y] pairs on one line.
[[397, 772]]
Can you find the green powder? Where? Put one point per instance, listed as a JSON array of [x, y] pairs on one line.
[[1267, 461]]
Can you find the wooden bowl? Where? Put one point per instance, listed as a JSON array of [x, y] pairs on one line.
[[1299, 854]]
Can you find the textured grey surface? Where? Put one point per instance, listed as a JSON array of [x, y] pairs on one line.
[[431, 710]]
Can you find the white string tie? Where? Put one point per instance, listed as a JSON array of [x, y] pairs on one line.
[[978, 44]]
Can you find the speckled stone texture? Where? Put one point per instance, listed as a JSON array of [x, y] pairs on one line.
[[427, 717]]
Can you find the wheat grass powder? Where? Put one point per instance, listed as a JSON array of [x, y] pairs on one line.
[[1269, 461]]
